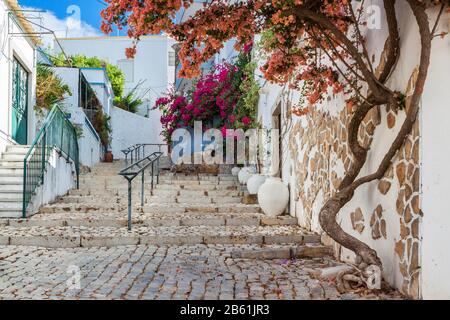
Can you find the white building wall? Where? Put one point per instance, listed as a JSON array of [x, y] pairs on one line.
[[89, 143], [59, 178], [71, 77], [129, 129], [435, 225], [435, 154], [23, 49], [149, 65], [100, 83]]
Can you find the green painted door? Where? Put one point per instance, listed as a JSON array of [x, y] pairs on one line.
[[19, 103]]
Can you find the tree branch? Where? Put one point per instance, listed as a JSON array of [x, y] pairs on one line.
[[326, 24]]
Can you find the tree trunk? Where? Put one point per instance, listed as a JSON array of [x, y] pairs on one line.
[[330, 210]]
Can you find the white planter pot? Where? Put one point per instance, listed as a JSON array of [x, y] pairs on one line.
[[273, 197], [255, 182], [245, 174], [235, 171]]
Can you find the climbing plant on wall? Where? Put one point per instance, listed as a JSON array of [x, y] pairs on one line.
[[225, 98], [50, 89], [114, 73], [317, 46]]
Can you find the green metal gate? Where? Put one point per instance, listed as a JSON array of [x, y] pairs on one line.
[[19, 103]]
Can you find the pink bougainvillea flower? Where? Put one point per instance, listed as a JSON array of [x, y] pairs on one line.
[[186, 117], [197, 112], [224, 131], [246, 121]]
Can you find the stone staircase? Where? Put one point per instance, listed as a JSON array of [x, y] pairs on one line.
[[181, 210], [11, 181]]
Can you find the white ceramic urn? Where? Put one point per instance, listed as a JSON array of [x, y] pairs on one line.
[[235, 171], [255, 182], [245, 174], [273, 197]]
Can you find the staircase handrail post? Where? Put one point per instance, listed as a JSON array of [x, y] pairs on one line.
[[44, 140]]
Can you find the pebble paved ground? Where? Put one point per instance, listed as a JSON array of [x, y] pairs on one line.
[[150, 272], [188, 242]]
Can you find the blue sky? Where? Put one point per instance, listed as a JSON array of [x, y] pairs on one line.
[[89, 9]]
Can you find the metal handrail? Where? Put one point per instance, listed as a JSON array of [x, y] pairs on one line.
[[133, 170], [56, 132], [135, 151]]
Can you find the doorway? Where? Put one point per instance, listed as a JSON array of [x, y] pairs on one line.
[[19, 103]]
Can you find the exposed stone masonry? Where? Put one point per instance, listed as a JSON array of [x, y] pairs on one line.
[[320, 155]]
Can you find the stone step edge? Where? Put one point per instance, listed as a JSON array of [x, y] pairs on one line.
[[86, 241], [159, 208], [156, 222], [305, 251]]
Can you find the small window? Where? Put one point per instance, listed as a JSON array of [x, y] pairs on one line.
[[171, 59], [127, 67]]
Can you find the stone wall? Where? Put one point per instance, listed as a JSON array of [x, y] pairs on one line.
[[404, 217], [320, 156]]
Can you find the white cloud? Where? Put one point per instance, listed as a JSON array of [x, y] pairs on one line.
[[71, 26]]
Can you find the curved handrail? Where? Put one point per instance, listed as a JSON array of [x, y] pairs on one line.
[[56, 132]]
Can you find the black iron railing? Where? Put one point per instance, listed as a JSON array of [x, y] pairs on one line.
[[138, 168]]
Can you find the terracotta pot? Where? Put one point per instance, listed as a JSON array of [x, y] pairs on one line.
[[273, 197], [108, 157], [255, 182]]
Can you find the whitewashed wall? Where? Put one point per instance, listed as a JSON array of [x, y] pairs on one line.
[[71, 77], [89, 143], [59, 178], [23, 49], [435, 112], [90, 146], [435, 154], [100, 83], [129, 129], [150, 63]]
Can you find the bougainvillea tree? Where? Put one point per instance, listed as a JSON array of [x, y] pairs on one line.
[[225, 98], [318, 46]]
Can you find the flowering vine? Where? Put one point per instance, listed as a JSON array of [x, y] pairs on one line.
[[225, 98]]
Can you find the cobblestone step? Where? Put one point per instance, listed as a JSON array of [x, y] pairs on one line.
[[10, 156], [149, 208], [166, 177], [200, 199], [151, 220], [70, 237], [180, 210], [11, 196], [195, 193], [9, 213], [12, 163], [307, 251], [12, 206], [148, 199], [11, 180], [198, 187]]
